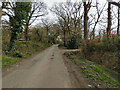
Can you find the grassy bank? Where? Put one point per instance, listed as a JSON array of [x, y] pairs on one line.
[[21, 51], [99, 75], [104, 52], [7, 60]]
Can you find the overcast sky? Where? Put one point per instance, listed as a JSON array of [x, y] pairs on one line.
[[50, 3]]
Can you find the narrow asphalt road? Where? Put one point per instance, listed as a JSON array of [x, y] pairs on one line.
[[45, 70]]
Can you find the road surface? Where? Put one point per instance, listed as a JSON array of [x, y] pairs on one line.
[[45, 70]]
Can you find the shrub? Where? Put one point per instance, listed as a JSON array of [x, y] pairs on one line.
[[107, 45], [17, 54], [91, 47], [74, 41], [104, 52]]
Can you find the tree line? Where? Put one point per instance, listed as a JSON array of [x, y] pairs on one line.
[[72, 17]]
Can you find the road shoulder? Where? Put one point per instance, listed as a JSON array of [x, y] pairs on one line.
[[78, 80]]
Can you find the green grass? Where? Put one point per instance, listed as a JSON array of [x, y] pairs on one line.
[[62, 46], [28, 48], [95, 72], [22, 50], [6, 61]]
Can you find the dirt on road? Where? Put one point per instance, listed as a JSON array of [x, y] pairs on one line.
[[45, 70]]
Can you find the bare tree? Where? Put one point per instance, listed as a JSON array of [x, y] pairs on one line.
[[118, 21], [109, 20], [77, 16], [118, 5], [38, 9], [62, 25], [109, 17], [99, 12], [69, 16], [47, 24], [87, 7], [63, 14]]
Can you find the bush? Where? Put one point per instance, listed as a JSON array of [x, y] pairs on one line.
[[107, 45], [74, 41], [62, 46], [104, 52], [17, 54], [91, 47]]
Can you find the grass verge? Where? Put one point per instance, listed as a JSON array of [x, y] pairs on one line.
[[98, 74], [6, 61], [22, 50]]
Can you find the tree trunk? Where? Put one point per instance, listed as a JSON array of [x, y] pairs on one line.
[[26, 32], [95, 26], [109, 20], [94, 32], [85, 28], [47, 28], [85, 23], [64, 38], [0, 34], [0, 14], [118, 31], [118, 21], [68, 30]]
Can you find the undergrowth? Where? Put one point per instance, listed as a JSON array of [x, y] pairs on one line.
[[99, 74]]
